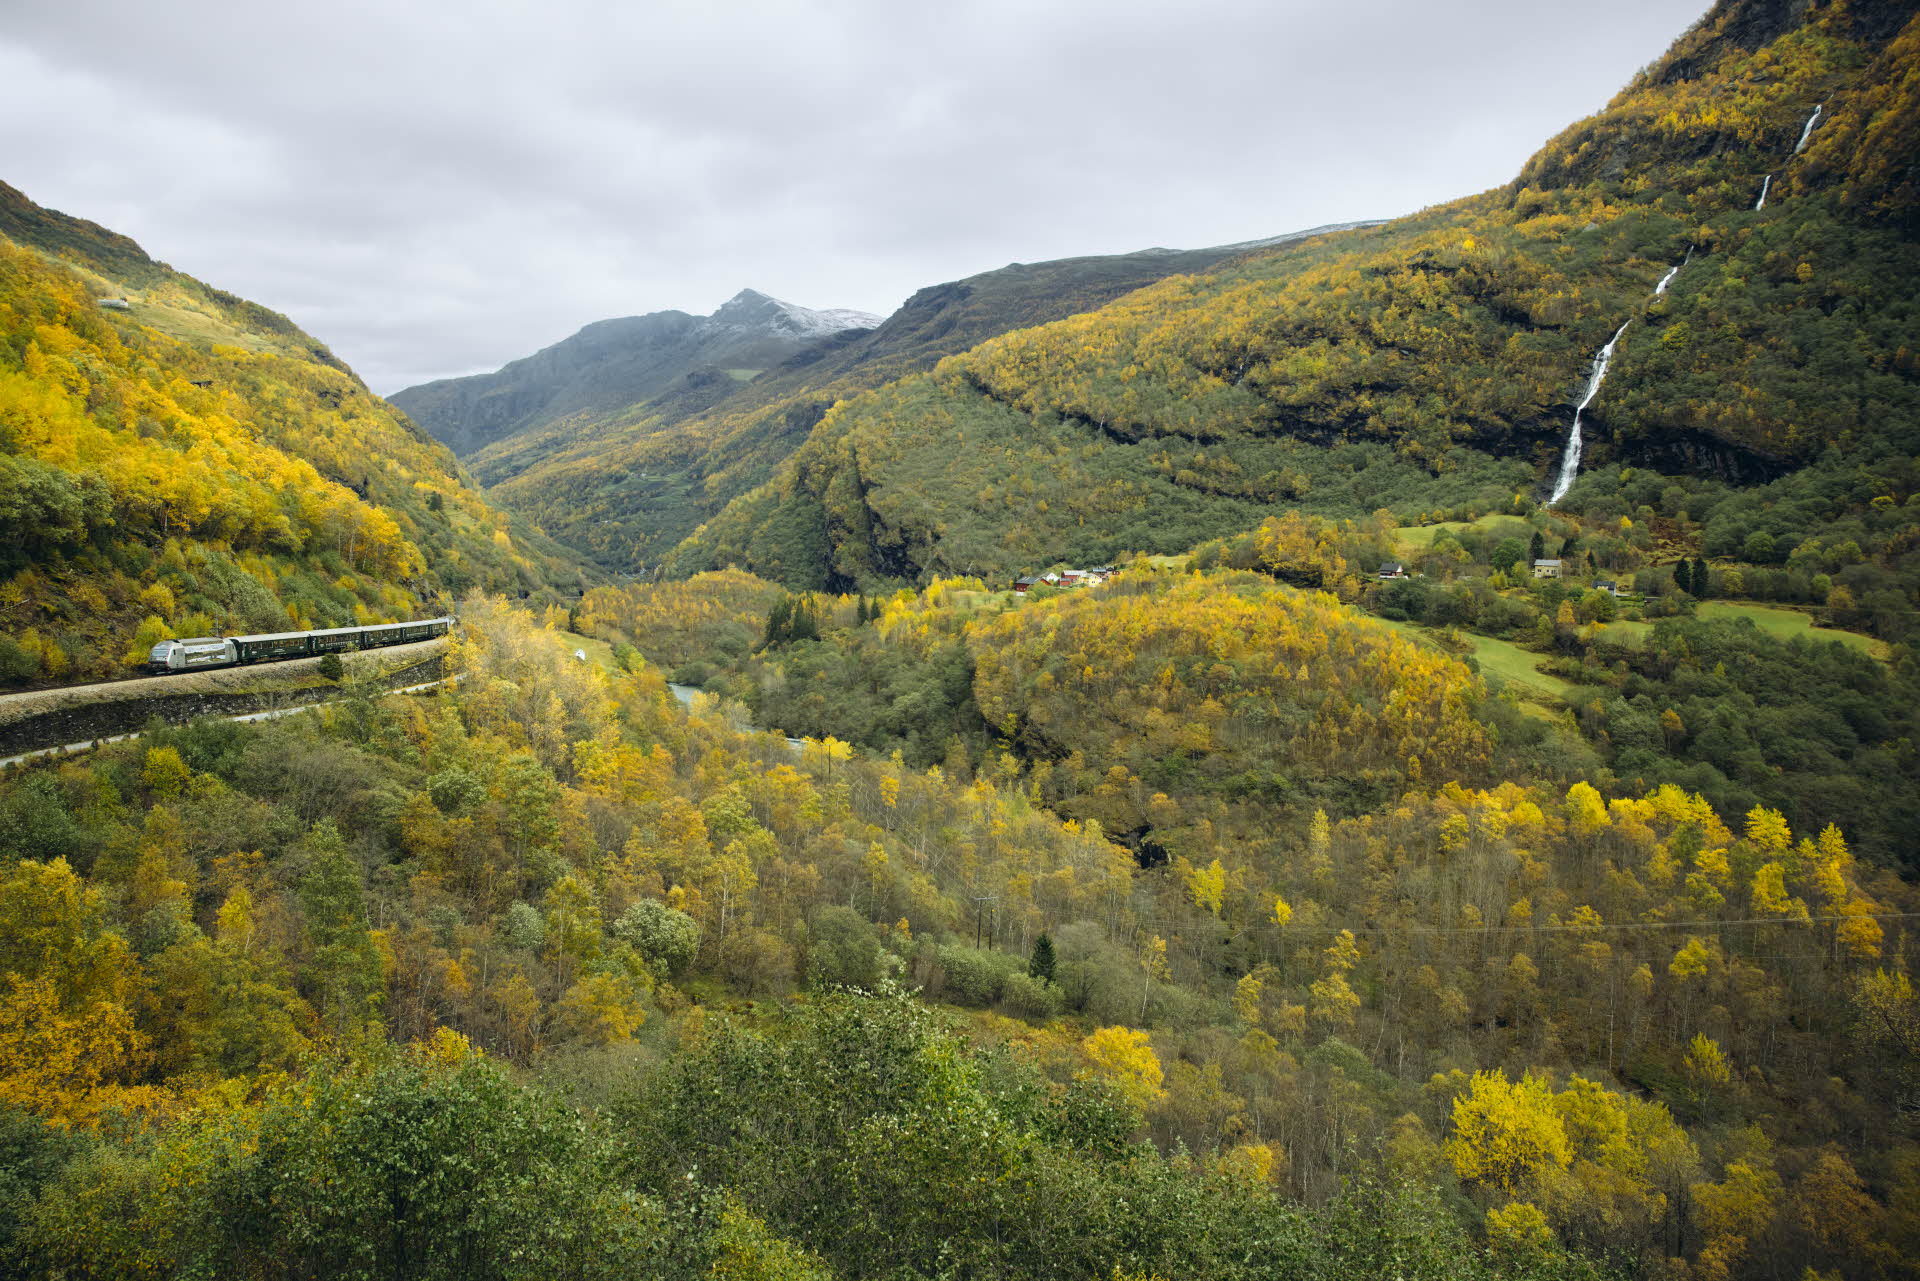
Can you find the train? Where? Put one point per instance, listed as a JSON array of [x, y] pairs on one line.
[[227, 651]]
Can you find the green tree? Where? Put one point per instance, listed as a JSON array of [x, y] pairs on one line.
[[344, 967], [1041, 964], [665, 937], [842, 951]]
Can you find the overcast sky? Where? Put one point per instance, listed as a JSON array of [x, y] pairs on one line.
[[437, 188]]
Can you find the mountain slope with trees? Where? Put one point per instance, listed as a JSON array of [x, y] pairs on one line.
[[627, 486], [194, 463], [1432, 363]]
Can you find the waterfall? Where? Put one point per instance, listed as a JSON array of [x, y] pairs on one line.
[[1807, 132], [1673, 271], [1570, 462]]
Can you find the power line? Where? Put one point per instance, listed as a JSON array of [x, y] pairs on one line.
[[1604, 925]]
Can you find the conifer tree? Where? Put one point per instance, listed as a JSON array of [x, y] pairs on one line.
[[804, 625], [779, 624], [1041, 964]]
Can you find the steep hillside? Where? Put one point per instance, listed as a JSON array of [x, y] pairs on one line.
[[562, 392], [1440, 355], [194, 462], [627, 487]]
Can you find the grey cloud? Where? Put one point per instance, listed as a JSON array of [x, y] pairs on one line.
[[435, 189]]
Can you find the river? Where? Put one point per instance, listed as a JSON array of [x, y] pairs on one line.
[[685, 694]]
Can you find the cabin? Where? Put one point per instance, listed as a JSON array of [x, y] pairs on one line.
[[1546, 569], [1608, 586], [1392, 569], [1070, 577], [1022, 585], [116, 304]]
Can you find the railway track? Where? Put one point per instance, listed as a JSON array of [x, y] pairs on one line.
[[41, 719], [71, 749]]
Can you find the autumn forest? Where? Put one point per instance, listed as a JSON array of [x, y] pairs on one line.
[[1335, 856]]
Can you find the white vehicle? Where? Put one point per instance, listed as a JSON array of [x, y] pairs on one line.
[[184, 655]]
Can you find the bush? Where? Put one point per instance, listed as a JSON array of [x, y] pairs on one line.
[[842, 950], [665, 937], [1030, 998], [523, 928], [974, 977]]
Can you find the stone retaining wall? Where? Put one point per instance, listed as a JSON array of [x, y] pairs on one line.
[[56, 718]]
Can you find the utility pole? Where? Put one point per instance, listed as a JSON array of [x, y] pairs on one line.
[[979, 902]]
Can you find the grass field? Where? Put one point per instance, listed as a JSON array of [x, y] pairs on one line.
[[198, 328], [1499, 526], [1772, 619], [598, 651], [1788, 623], [1500, 658], [1635, 632], [981, 600]]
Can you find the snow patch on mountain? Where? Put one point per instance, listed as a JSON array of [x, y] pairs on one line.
[[751, 309]]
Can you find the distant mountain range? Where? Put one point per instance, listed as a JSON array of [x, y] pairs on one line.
[[621, 439], [613, 364]]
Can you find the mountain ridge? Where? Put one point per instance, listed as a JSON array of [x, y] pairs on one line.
[[626, 487], [186, 461], [607, 365], [1432, 363]]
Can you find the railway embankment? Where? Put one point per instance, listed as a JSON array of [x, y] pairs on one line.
[[35, 720]]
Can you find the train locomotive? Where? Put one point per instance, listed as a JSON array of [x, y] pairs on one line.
[[227, 651]]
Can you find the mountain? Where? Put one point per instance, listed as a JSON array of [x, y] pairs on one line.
[[612, 364], [1433, 364], [177, 460], [625, 486]]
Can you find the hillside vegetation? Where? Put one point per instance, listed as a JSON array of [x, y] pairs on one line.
[[1341, 838], [152, 485], [543, 885], [627, 485], [1430, 364]]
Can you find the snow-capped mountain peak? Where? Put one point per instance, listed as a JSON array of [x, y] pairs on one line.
[[751, 309]]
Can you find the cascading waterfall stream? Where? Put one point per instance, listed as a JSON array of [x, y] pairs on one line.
[[1807, 132], [1570, 462]]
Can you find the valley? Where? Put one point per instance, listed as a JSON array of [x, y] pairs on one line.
[[1388, 750]]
